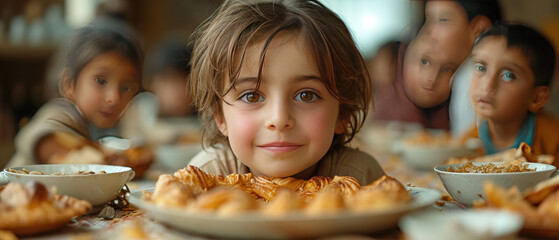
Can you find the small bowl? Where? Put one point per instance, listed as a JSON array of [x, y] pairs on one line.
[[425, 157], [176, 156], [467, 187], [98, 189], [471, 224]]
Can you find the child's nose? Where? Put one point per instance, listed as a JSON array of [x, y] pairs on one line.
[[112, 97], [488, 83], [279, 117]]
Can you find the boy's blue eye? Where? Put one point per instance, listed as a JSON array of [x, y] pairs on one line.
[[251, 97], [425, 62], [479, 67], [508, 76], [101, 81], [307, 96]]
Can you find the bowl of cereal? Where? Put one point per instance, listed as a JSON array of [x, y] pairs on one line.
[[95, 183], [427, 149], [464, 182]]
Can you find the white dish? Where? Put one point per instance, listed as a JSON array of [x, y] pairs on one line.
[[96, 188], [176, 156], [254, 226], [467, 187], [461, 225], [428, 156]]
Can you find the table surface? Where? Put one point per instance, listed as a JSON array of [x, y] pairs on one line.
[[131, 222]]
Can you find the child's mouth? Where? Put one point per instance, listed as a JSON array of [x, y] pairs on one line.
[[107, 114], [280, 147]]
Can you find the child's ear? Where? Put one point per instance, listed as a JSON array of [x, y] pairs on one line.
[[480, 24], [221, 125], [540, 97], [67, 85]]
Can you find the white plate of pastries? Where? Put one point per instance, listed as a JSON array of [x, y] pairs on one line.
[[245, 206]]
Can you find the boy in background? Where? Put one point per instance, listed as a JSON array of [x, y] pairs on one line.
[[513, 67]]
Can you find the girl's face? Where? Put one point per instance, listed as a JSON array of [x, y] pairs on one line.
[[503, 82], [427, 72], [286, 125], [104, 87], [442, 43]]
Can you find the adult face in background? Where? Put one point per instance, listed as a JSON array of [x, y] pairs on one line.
[[442, 44]]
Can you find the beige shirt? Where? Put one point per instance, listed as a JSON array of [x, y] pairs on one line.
[[342, 162], [59, 114]]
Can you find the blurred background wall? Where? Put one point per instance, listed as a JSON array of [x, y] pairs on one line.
[[31, 32]]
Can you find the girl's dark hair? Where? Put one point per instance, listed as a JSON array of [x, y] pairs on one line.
[[237, 24], [91, 41], [537, 48], [488, 8]]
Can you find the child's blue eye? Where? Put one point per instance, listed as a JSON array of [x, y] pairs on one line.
[[508, 76], [425, 62], [479, 67], [101, 81], [307, 96], [251, 97]]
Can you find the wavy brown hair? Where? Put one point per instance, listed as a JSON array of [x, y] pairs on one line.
[[236, 24]]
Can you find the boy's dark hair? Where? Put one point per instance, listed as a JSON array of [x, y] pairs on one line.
[[90, 42], [488, 8], [171, 53], [535, 46]]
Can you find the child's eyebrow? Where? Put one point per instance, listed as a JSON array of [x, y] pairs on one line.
[[298, 79]]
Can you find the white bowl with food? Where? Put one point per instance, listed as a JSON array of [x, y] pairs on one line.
[[461, 225], [98, 184], [427, 149], [464, 182], [176, 156]]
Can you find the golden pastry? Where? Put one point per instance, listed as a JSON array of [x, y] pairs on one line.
[[170, 191], [31, 209], [285, 201]]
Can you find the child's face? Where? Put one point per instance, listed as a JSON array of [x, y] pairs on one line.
[[503, 82], [287, 125], [443, 42], [427, 73], [104, 87], [447, 24]]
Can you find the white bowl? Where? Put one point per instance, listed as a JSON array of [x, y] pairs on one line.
[[176, 156], [98, 189], [425, 157], [461, 225], [467, 187]]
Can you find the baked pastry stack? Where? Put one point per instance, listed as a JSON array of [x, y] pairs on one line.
[[192, 189], [30, 209], [538, 205]]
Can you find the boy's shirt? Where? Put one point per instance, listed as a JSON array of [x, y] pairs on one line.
[[544, 134], [344, 161]]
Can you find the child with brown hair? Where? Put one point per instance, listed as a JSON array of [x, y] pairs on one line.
[[281, 88], [101, 74], [513, 67]]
